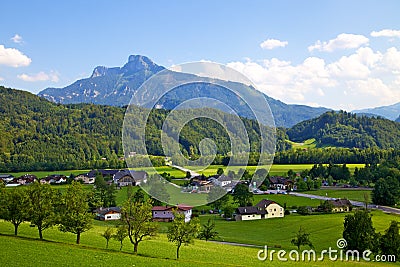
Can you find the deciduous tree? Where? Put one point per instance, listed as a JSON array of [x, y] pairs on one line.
[[75, 216], [14, 207], [242, 195], [41, 206], [302, 238], [138, 219], [390, 241], [108, 234], [120, 235], [181, 232], [359, 231]]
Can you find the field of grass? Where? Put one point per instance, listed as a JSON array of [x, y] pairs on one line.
[[59, 248], [352, 194], [310, 143], [324, 229], [276, 169], [42, 174]]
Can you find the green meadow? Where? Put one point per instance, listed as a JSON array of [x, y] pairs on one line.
[[352, 194], [59, 249]]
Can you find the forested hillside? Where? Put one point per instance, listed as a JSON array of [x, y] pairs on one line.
[[41, 135], [343, 129]]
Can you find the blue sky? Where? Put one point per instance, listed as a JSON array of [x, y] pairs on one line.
[[338, 54]]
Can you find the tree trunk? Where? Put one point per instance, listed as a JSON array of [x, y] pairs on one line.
[[120, 248], [135, 246], [40, 233], [16, 229], [177, 251], [78, 238], [107, 244]]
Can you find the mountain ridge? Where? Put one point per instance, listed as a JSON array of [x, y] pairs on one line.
[[115, 86], [390, 112]]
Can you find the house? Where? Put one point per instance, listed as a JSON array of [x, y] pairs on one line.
[[166, 213], [23, 180], [272, 209], [249, 213], [129, 177], [6, 177], [201, 184], [108, 214], [340, 205], [280, 183], [84, 177], [54, 179], [105, 173], [124, 178], [265, 209]]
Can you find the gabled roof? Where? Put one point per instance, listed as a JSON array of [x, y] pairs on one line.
[[168, 208], [250, 210], [265, 203], [136, 175], [111, 173], [340, 202], [279, 180], [6, 176], [104, 211]]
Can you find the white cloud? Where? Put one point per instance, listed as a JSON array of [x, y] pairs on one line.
[[282, 80], [342, 41], [13, 57], [391, 60], [357, 65], [273, 43], [17, 39], [39, 77], [386, 33], [362, 79]]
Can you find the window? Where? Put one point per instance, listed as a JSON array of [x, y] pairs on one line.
[[155, 212], [108, 216], [274, 209]]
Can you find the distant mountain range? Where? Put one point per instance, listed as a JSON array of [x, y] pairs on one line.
[[391, 112], [115, 87]]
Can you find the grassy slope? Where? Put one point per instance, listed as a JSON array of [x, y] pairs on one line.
[[324, 229]]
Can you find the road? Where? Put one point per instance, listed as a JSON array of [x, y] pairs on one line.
[[192, 173], [354, 203]]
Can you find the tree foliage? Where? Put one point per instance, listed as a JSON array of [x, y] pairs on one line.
[[390, 241], [138, 219], [120, 235], [302, 238], [386, 191], [75, 216], [181, 232], [108, 234], [242, 195], [13, 206], [359, 231], [207, 231], [42, 206]]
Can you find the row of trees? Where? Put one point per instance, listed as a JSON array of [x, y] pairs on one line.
[[45, 207]]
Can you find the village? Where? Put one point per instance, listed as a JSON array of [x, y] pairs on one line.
[[200, 184]]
